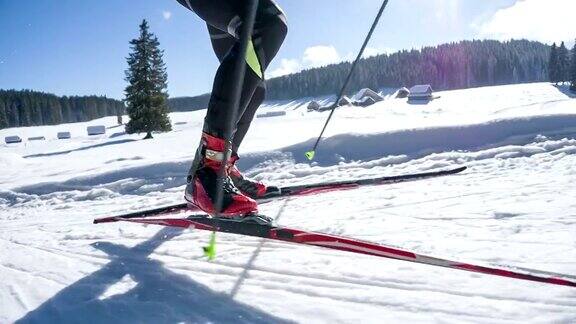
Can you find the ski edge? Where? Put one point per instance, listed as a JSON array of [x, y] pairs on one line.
[[348, 244]]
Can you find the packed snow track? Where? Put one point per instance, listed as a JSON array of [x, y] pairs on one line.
[[514, 205]]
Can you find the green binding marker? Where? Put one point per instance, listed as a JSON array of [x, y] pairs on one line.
[[210, 250], [310, 155]]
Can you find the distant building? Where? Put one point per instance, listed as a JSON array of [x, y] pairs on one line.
[[402, 93], [96, 130], [421, 92], [36, 138], [271, 114], [344, 101], [12, 139], [63, 135], [365, 102], [367, 93], [313, 106]]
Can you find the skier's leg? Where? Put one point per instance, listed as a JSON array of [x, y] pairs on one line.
[[220, 14], [269, 33], [222, 43], [202, 186], [246, 119]]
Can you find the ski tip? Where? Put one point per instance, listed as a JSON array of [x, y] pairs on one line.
[[105, 220], [310, 155]]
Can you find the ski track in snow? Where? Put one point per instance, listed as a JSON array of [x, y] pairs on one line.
[[514, 205]]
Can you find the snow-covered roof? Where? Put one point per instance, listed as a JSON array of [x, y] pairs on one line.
[[421, 89], [365, 102], [367, 92], [313, 103], [344, 101]]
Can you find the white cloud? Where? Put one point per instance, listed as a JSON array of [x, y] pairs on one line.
[[542, 20], [314, 56], [373, 51], [167, 15], [317, 56], [320, 55], [287, 66]]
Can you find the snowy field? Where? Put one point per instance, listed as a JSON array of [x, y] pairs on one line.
[[515, 205]]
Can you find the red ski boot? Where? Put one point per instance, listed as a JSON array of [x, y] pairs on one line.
[[202, 182]]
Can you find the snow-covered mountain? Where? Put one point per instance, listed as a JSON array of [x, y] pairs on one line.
[[514, 205]]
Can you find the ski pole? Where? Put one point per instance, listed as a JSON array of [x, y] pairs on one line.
[[235, 95], [310, 154]]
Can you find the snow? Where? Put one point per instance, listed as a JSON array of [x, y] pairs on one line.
[[514, 205]]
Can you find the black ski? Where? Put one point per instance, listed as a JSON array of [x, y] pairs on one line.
[[299, 190]]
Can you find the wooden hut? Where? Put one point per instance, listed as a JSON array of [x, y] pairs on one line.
[[367, 93], [402, 93], [367, 101], [421, 92], [344, 101], [96, 130], [12, 139], [313, 106], [63, 135]]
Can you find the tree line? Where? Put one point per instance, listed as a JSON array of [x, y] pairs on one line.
[[562, 65], [189, 103], [449, 66], [33, 108]]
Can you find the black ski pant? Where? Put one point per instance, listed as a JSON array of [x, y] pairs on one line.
[[224, 18]]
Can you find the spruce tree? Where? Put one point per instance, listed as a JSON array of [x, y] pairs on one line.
[[553, 64], [573, 69], [3, 118], [563, 63], [146, 93]]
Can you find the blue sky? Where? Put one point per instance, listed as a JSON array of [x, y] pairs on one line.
[[73, 47]]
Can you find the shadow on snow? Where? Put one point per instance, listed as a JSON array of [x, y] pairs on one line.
[[160, 295], [84, 148]]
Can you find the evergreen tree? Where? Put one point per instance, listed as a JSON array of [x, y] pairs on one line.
[[146, 93], [563, 63], [573, 69], [553, 65], [3, 118]]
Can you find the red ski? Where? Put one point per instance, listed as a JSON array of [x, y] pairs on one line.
[[335, 242]]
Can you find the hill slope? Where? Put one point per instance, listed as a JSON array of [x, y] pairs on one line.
[[514, 205]]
